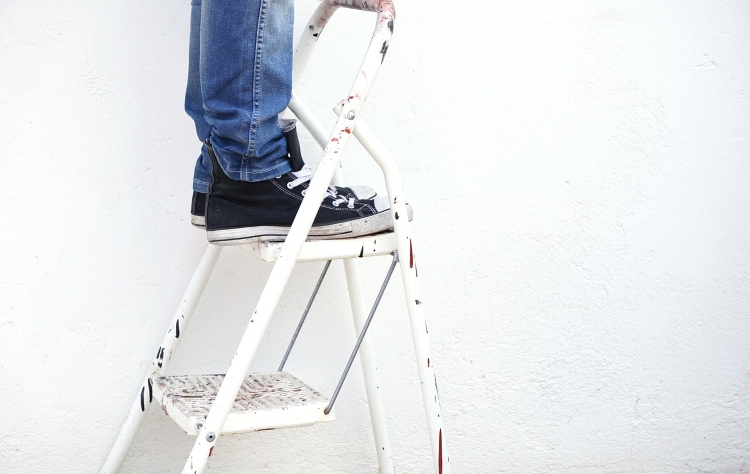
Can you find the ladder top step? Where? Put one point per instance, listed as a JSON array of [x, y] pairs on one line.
[[265, 401], [313, 250]]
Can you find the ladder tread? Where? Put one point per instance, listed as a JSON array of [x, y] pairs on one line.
[[265, 401], [330, 249]]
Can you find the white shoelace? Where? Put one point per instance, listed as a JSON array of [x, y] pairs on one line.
[[305, 174]]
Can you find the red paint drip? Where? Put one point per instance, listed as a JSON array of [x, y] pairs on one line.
[[428, 362], [334, 139], [348, 130], [210, 451], [440, 452], [411, 256]]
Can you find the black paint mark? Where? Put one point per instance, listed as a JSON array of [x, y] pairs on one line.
[[390, 25], [160, 355], [310, 26], [177, 329], [316, 34], [418, 302], [397, 216], [143, 404], [150, 392], [395, 200], [362, 252], [383, 50]]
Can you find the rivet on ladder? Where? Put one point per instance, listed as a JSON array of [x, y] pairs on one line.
[[351, 115], [210, 437]]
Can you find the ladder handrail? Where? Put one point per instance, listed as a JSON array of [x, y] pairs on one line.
[[371, 6], [381, 36]]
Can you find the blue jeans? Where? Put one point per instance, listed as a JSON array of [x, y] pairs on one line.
[[239, 81]]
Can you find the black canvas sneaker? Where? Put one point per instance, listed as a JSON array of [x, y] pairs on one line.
[[239, 212], [198, 209], [198, 203], [288, 127]]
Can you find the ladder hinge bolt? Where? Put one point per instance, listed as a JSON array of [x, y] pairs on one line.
[[210, 437], [351, 115]]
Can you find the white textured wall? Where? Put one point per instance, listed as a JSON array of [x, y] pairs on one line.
[[580, 176]]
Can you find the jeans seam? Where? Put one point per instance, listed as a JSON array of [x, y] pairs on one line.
[[280, 165], [257, 91]]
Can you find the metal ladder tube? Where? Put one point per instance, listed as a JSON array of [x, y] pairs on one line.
[[359, 313], [362, 335], [304, 316], [302, 55], [418, 322], [369, 369]]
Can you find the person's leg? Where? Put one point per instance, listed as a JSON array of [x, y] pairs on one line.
[[194, 102], [239, 80], [246, 82]]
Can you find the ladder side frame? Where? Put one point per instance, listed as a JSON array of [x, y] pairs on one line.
[[282, 269], [414, 301], [302, 55]]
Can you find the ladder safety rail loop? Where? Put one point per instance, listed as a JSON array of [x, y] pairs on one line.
[[381, 37]]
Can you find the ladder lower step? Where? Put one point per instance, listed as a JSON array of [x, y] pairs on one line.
[[314, 250], [265, 401]]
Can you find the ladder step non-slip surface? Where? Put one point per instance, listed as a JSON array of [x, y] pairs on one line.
[[265, 401]]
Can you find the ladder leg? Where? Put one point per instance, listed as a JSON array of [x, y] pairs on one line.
[[427, 378], [410, 279], [369, 369], [176, 328]]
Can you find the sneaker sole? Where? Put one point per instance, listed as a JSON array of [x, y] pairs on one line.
[[374, 224], [198, 221]]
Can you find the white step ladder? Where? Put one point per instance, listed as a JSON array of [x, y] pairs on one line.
[[211, 405]]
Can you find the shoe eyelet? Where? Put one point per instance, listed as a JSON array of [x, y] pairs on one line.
[[289, 185], [350, 207], [335, 204], [304, 191]]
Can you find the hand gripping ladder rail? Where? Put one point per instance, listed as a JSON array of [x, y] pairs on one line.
[[211, 405]]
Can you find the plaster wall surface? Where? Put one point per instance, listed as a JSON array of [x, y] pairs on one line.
[[579, 173]]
